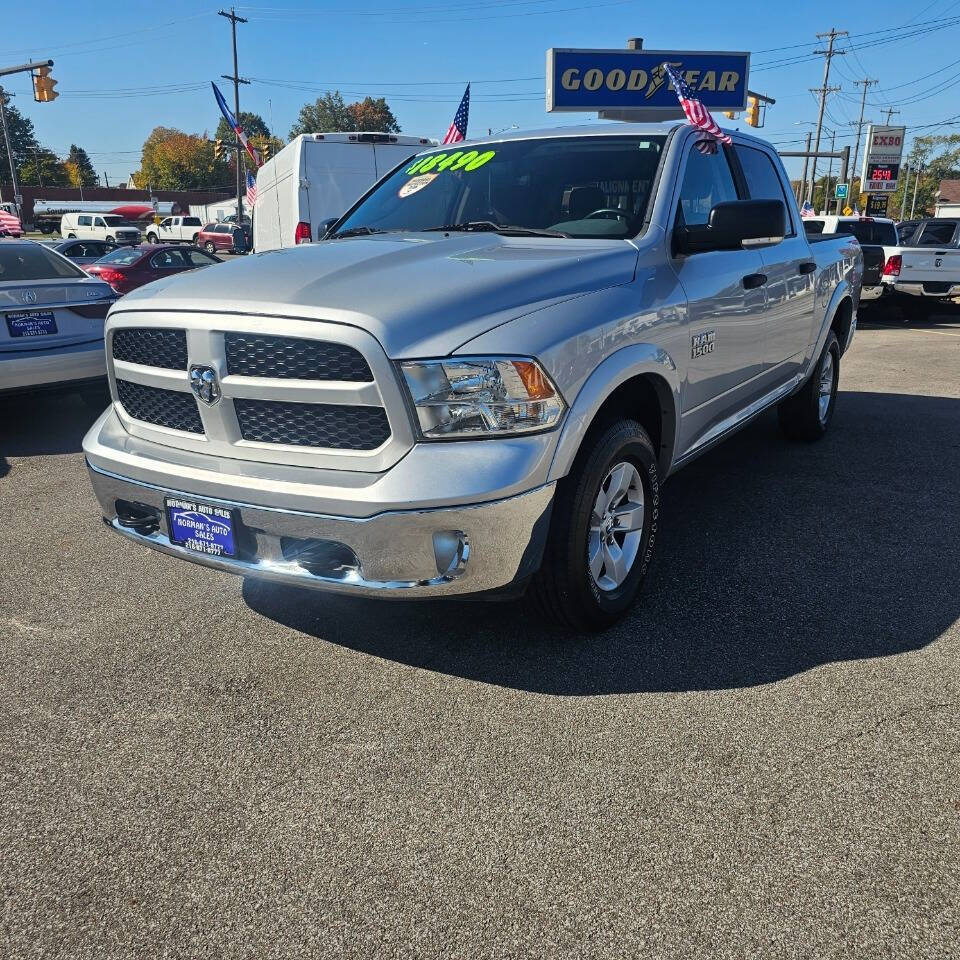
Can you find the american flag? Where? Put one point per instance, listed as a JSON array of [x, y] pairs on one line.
[[807, 209], [251, 188], [234, 124], [697, 114], [458, 129], [10, 225]]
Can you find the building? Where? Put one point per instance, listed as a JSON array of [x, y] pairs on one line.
[[948, 199]]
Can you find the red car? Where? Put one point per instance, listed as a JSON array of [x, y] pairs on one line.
[[220, 236], [127, 268]]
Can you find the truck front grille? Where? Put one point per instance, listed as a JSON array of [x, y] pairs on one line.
[[163, 408], [151, 346], [312, 424], [293, 358]]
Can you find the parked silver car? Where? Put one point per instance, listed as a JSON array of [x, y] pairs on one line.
[[83, 252], [481, 381], [51, 332]]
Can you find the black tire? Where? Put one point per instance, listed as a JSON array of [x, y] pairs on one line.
[[110, 240], [71, 236], [564, 590], [194, 239], [210, 247], [800, 416], [152, 238]]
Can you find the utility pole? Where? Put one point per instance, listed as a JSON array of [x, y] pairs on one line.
[[916, 181], [106, 179], [866, 83], [802, 188], [826, 193], [237, 80], [828, 55], [889, 111]]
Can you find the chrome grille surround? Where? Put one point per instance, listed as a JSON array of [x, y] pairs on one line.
[[377, 406]]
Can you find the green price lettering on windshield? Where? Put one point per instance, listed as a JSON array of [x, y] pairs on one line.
[[469, 161]]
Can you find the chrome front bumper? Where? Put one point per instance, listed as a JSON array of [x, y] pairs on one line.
[[445, 551], [875, 292]]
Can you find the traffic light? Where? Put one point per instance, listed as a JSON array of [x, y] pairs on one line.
[[753, 112], [43, 85], [265, 150], [218, 150]]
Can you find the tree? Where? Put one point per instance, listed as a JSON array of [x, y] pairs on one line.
[[42, 168], [174, 160], [252, 123], [79, 168], [329, 113], [22, 138], [370, 114]]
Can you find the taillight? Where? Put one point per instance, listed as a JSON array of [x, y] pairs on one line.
[[892, 267], [113, 277], [302, 233]]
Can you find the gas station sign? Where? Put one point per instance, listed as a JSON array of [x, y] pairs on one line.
[[881, 159]]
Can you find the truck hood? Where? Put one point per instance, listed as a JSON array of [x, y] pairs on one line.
[[419, 294]]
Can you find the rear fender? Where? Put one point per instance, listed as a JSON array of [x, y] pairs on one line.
[[617, 369]]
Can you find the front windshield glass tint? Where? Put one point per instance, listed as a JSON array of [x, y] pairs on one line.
[[594, 187]]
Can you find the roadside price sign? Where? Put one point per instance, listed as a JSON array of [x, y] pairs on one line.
[[877, 205], [881, 159]]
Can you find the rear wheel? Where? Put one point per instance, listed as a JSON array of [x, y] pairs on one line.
[[807, 414], [603, 531], [210, 247], [194, 238]]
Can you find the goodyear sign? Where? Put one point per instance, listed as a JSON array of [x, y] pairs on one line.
[[634, 80]]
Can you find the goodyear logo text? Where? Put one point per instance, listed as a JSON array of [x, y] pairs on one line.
[[635, 79]]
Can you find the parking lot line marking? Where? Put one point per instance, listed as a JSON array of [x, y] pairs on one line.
[[942, 333]]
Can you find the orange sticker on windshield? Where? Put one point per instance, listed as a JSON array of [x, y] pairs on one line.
[[416, 184]]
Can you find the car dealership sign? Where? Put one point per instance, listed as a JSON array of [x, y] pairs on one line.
[[634, 80]]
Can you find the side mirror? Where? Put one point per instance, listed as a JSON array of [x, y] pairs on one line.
[[325, 226], [736, 224]]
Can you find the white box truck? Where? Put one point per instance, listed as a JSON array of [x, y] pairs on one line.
[[316, 177]]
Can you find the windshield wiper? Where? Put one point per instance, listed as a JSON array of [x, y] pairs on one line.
[[488, 226], [357, 232]]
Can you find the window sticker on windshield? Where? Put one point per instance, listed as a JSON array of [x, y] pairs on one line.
[[416, 184], [469, 161]]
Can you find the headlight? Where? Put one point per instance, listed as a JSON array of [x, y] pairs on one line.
[[481, 397]]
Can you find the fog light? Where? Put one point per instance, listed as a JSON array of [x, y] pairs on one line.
[[452, 551]]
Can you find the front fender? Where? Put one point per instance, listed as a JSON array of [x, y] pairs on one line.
[[635, 360]]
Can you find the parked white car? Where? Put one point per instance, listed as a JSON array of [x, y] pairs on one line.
[[92, 226], [926, 274], [316, 178], [880, 241], [175, 230]]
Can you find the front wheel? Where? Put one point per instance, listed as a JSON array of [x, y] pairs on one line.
[[807, 414], [603, 531], [152, 238]]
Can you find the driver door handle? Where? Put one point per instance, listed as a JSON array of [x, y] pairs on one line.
[[753, 280], [808, 266]]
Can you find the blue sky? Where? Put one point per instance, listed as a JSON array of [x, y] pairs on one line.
[[126, 67]]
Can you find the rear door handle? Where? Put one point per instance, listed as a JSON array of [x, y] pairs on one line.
[[808, 266], [752, 280]]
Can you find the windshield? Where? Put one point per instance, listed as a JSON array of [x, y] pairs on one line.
[[22, 261], [870, 231], [592, 187], [122, 255]]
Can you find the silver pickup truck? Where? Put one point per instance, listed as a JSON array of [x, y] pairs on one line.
[[478, 381]]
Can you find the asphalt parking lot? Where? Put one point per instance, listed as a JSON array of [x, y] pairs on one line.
[[762, 761]]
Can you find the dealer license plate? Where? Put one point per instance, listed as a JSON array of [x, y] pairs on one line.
[[31, 323], [201, 527]]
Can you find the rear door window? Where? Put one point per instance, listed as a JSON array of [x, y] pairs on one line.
[[762, 179], [85, 221], [936, 234]]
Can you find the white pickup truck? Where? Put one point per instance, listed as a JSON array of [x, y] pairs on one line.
[[926, 273], [175, 230]]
